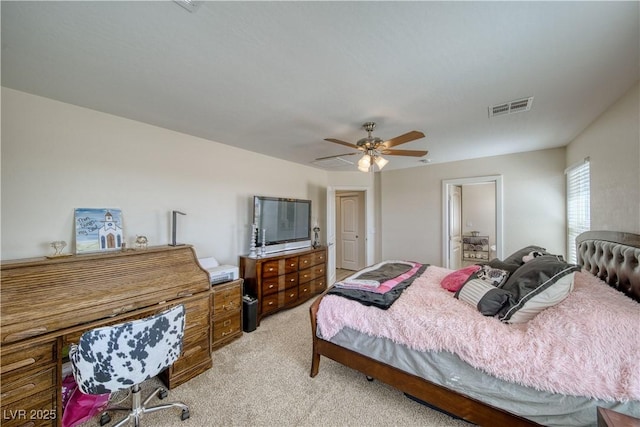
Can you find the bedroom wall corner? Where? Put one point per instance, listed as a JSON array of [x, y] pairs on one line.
[[612, 142]]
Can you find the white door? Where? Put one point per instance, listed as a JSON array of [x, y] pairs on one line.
[[349, 230], [331, 235], [455, 227]]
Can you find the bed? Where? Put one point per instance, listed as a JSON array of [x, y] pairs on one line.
[[455, 384]]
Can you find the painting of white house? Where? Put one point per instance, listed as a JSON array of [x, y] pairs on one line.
[[98, 230]]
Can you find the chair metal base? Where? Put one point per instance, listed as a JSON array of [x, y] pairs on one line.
[[137, 408]]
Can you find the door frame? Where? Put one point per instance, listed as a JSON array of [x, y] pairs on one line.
[[331, 226], [497, 179]]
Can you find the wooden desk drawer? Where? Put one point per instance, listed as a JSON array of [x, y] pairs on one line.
[[193, 354], [38, 410], [227, 299], [18, 357], [227, 326], [21, 385]]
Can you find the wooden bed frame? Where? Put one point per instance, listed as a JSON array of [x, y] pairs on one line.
[[611, 256]]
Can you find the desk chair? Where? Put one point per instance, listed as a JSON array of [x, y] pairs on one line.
[[122, 356]]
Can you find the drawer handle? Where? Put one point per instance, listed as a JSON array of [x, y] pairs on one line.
[[291, 295], [271, 269], [292, 264], [229, 306], [124, 309], [26, 334], [271, 286], [21, 389], [226, 323], [305, 261], [292, 280], [16, 365], [305, 290], [230, 331], [185, 293], [191, 351]]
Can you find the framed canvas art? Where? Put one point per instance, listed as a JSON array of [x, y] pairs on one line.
[[98, 230]]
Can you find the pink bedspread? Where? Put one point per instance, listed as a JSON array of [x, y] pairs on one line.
[[588, 345]]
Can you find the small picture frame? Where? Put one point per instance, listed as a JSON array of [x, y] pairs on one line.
[[98, 230]]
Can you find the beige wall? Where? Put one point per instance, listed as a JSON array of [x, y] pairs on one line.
[[613, 144], [56, 157], [533, 198]]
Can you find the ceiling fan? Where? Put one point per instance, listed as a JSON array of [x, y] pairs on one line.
[[374, 148]]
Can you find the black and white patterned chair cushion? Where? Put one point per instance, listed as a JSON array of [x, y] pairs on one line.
[[117, 357]]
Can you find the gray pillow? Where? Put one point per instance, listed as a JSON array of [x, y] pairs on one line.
[[516, 257], [538, 284], [482, 292]]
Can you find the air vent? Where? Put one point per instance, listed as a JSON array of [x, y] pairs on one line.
[[334, 162], [511, 107]]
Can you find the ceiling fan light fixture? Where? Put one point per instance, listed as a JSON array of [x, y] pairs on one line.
[[364, 163], [381, 162]]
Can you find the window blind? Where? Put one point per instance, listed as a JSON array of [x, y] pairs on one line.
[[578, 205]]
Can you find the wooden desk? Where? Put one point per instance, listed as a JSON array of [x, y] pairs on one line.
[[46, 304]]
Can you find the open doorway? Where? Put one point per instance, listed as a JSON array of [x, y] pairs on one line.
[[349, 234], [472, 216]]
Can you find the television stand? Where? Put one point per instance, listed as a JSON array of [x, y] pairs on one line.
[[284, 280]]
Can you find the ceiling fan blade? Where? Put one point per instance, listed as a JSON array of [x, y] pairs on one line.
[[409, 136], [333, 157], [412, 153], [346, 144]]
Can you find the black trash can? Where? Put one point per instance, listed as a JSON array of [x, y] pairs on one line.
[[249, 313]]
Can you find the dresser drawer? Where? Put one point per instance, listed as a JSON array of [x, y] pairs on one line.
[[312, 273], [21, 358], [226, 326], [291, 265], [306, 261], [22, 385], [271, 268], [38, 410], [281, 299], [280, 283]]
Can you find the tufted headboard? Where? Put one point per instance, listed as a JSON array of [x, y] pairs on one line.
[[613, 257]]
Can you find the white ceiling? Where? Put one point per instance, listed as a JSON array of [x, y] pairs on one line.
[[279, 77]]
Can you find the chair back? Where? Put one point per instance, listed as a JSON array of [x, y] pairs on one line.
[[117, 357]]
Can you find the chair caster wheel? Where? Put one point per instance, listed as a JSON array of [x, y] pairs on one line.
[[185, 414], [105, 418], [162, 394], [370, 379]]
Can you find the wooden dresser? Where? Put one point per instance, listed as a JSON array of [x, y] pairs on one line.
[[226, 313], [47, 304], [285, 279]]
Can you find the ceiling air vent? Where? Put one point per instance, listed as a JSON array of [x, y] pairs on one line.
[[511, 107]]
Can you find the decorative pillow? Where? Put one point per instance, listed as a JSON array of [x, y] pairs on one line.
[[516, 257], [496, 263], [454, 281], [494, 276], [484, 296], [538, 284]]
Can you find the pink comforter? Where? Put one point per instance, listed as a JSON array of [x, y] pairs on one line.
[[588, 345]]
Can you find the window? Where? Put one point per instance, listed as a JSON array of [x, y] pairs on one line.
[[578, 205]]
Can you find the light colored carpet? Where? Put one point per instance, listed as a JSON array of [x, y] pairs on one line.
[[262, 379]]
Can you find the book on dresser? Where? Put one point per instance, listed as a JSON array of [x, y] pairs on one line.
[[284, 280]]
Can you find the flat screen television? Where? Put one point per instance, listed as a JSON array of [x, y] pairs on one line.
[[284, 224]]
